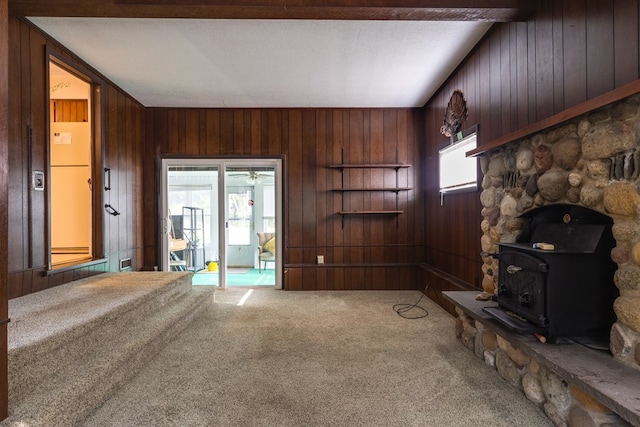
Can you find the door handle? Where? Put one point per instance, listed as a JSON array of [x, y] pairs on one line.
[[107, 179], [513, 269], [111, 210]]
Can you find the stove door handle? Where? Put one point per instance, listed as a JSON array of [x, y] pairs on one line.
[[513, 269]]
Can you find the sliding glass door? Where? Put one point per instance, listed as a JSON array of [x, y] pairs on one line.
[[220, 220]]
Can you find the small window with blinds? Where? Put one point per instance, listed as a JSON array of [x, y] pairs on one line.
[[457, 171]]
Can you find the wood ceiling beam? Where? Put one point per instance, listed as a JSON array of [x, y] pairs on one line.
[[416, 10]]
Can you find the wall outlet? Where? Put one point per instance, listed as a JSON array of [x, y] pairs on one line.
[[320, 259]]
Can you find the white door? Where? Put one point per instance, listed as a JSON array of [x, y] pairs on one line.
[[213, 217]]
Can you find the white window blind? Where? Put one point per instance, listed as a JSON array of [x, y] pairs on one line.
[[457, 171]]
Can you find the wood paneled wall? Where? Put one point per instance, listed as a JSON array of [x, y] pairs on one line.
[[521, 73], [4, 166], [123, 141], [361, 252]]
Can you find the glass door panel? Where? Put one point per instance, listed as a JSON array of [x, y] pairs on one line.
[[192, 221], [250, 215]]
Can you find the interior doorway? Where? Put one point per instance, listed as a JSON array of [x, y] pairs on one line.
[[73, 120], [216, 215]]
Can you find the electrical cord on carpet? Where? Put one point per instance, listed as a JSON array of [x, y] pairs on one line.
[[402, 309]]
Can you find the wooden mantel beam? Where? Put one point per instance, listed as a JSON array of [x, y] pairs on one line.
[[416, 10]]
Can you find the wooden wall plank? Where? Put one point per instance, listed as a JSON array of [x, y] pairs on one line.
[[17, 205], [111, 158], [319, 168], [226, 132], [505, 75], [295, 188], [495, 89], [238, 131], [338, 198], [625, 26], [153, 126], [600, 47], [558, 57], [532, 95], [377, 154], [192, 131], [521, 104], [309, 182], [575, 52], [544, 90], [121, 221]]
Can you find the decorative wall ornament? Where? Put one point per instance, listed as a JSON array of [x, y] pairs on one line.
[[455, 114], [60, 85]]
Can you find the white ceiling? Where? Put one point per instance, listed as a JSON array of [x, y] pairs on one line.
[[246, 63]]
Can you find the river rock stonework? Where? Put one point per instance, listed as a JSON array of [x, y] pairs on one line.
[[564, 403], [592, 161]]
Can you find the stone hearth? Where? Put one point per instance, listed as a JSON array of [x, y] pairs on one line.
[[591, 161], [574, 385]]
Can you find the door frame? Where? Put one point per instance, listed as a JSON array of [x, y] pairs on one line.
[[277, 162], [97, 157]]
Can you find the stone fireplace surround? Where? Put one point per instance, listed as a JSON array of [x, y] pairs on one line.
[[593, 161]]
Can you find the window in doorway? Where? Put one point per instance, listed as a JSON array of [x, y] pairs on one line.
[[240, 216], [192, 196], [269, 208]]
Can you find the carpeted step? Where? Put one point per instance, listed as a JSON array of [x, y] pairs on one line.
[[119, 322], [58, 323]]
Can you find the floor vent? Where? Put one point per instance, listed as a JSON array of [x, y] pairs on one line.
[[125, 264]]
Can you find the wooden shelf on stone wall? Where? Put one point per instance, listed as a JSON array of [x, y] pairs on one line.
[[568, 114]]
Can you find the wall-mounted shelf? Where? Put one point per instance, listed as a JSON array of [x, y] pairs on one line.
[[392, 189], [395, 189], [370, 212], [370, 166]]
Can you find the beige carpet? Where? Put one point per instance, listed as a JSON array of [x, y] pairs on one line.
[[317, 359]]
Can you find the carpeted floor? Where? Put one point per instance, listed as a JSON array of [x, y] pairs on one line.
[[317, 359]]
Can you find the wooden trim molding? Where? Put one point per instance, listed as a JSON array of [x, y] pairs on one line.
[[75, 266], [361, 265], [568, 114], [414, 10]]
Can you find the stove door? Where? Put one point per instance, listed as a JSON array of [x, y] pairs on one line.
[[521, 286]]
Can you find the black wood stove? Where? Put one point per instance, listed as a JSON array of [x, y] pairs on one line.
[[565, 290]]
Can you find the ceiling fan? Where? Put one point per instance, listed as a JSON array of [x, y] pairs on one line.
[[253, 177]]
